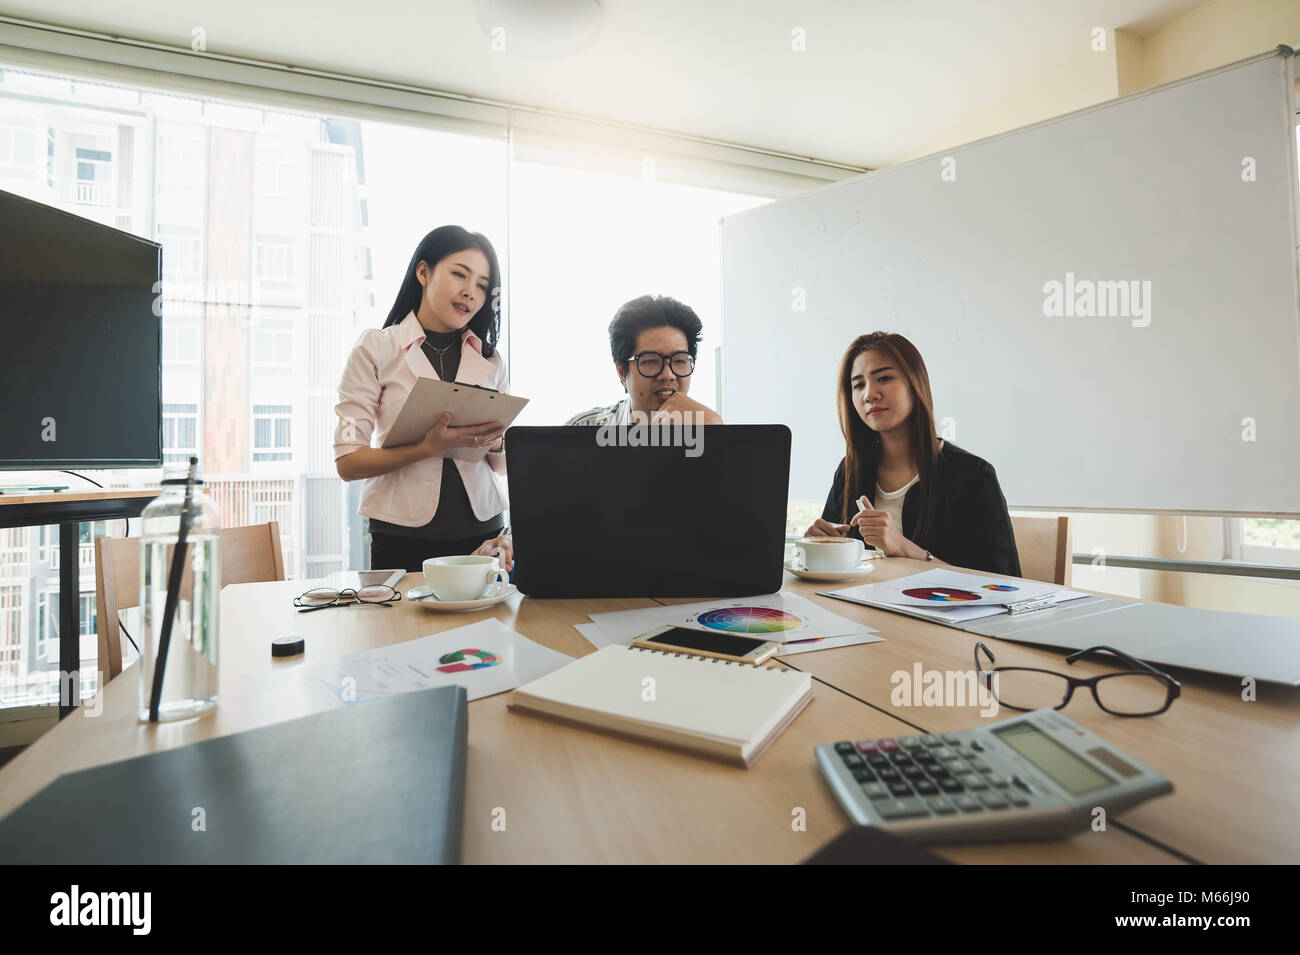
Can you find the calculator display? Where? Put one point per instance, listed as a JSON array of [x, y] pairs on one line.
[[1074, 774]]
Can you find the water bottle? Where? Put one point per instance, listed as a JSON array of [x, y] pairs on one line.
[[188, 656]]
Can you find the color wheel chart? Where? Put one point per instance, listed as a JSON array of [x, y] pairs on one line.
[[749, 620], [940, 594]]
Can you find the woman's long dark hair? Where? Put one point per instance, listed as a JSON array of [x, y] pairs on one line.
[[433, 248], [862, 445]]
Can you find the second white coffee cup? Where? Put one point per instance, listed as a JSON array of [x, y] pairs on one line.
[[831, 554], [468, 577]]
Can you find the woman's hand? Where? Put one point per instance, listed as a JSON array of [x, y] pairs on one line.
[[688, 409], [502, 547], [821, 528], [878, 530], [443, 437]]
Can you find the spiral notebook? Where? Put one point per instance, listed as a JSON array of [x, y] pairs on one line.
[[730, 711]]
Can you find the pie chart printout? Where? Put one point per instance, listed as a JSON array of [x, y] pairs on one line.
[[749, 620], [941, 594], [458, 661]]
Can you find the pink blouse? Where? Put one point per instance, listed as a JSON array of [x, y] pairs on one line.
[[379, 375]]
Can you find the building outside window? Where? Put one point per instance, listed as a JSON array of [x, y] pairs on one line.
[[17, 145], [275, 261], [47, 638], [273, 347], [180, 426], [272, 432], [94, 182]]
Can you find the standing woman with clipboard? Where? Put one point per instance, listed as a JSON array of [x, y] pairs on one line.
[[444, 324]]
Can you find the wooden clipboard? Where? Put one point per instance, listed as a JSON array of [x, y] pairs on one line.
[[430, 399]]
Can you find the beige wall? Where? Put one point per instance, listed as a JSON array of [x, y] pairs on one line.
[[1216, 33], [1211, 35], [1084, 80]]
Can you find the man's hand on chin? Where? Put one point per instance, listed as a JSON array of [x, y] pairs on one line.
[[689, 410]]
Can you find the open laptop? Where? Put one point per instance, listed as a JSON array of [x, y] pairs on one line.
[[643, 511]]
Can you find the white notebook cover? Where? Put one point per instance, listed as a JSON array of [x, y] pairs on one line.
[[729, 710]]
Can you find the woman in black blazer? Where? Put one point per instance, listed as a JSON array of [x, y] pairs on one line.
[[899, 488]]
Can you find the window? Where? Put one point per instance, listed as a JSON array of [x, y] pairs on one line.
[[180, 338], [17, 145], [47, 638], [182, 256], [273, 347], [275, 261], [180, 163], [88, 619], [11, 635], [279, 175], [264, 513], [1269, 540], [180, 432], [671, 250], [94, 182], [272, 426]]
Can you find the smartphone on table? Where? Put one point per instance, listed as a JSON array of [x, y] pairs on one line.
[[706, 643]]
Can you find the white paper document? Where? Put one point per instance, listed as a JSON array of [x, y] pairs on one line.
[[485, 657], [781, 617], [597, 637], [827, 643], [944, 589], [952, 607]]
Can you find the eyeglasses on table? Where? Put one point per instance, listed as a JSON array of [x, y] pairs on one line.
[[318, 598], [1141, 690]]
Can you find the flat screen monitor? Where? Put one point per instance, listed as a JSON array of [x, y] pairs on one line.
[[81, 356]]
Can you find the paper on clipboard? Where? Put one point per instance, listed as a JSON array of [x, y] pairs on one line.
[[430, 399]]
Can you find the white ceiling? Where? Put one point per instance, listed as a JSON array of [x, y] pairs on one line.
[[879, 78]]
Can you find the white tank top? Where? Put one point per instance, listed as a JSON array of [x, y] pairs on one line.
[[892, 501]]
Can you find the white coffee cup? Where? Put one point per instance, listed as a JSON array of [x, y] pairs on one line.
[[829, 554], [468, 577]]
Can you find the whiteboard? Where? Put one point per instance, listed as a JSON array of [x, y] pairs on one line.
[[1187, 400]]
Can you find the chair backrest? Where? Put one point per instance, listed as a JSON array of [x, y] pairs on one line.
[[248, 554], [117, 586], [1043, 544]]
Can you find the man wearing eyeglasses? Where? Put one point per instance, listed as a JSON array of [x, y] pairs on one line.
[[653, 340]]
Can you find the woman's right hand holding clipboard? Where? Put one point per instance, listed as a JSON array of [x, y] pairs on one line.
[[444, 437]]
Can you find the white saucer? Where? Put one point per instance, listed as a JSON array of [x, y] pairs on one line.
[[425, 598], [826, 576]]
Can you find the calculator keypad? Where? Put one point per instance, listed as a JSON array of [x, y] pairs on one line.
[[915, 776]]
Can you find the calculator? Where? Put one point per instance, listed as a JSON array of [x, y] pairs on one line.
[[1039, 775]]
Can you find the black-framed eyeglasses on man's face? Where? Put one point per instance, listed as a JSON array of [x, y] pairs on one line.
[[321, 597], [1141, 690], [650, 363]]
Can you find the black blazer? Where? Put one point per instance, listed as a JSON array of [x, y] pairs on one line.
[[971, 526]]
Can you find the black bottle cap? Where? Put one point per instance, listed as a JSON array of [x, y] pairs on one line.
[[286, 646]]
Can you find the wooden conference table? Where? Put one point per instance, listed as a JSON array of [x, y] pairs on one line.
[[570, 795]]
